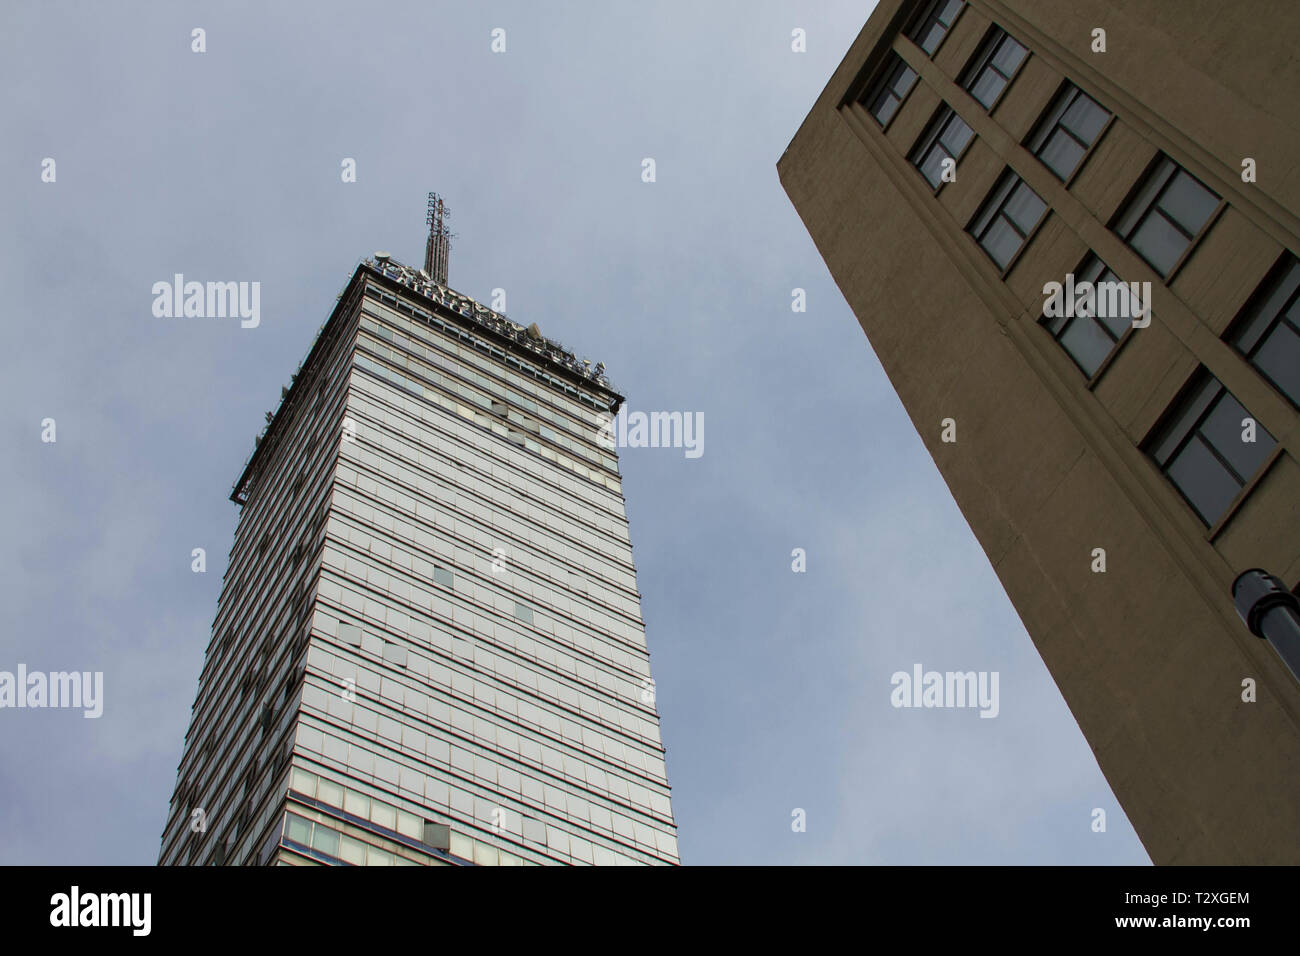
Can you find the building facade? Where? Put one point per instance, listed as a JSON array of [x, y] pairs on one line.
[[429, 647], [1121, 453]]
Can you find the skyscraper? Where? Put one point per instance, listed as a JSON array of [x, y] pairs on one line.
[[429, 647], [980, 177]]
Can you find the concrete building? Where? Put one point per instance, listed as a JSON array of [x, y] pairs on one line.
[[429, 648], [967, 155]]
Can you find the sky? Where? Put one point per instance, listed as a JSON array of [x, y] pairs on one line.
[[773, 684]]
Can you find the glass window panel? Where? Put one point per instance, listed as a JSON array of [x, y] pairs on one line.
[[884, 107], [1009, 55], [462, 846], [1158, 242], [1192, 408], [932, 166], [1048, 122], [297, 829], [1119, 320], [326, 840], [1087, 344], [1279, 359], [437, 835], [904, 77], [330, 793], [930, 37], [1092, 270], [1025, 208], [1001, 242], [948, 11], [956, 135], [1252, 330], [1145, 197], [986, 88], [1061, 153], [1223, 429], [304, 782], [1188, 203], [357, 803], [1084, 118], [352, 851], [993, 204], [1203, 480]]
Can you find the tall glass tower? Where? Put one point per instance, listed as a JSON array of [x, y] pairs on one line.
[[429, 647]]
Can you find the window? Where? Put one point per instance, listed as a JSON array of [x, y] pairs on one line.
[[297, 829], [1268, 331], [1088, 334], [442, 576], [1202, 448], [437, 835], [1067, 130], [945, 138], [349, 634], [933, 23], [1165, 215], [883, 98], [1007, 218], [993, 66], [524, 613]]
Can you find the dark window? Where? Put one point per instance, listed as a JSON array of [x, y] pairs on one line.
[[1165, 215], [1067, 130], [437, 835], [1089, 334], [933, 23], [993, 66], [945, 138], [1268, 332], [884, 96], [349, 634], [1006, 219], [1201, 447]]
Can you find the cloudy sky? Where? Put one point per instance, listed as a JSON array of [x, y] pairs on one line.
[[773, 686]]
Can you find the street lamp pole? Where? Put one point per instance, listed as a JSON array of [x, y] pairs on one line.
[[1271, 612]]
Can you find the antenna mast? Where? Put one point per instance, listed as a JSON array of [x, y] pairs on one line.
[[438, 248]]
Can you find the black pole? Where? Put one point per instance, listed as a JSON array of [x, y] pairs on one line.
[[1271, 612]]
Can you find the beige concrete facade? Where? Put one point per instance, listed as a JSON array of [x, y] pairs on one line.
[[1050, 463]]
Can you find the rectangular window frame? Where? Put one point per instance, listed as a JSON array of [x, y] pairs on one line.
[[933, 136], [932, 15], [1143, 201], [983, 59], [992, 207], [1041, 132], [1196, 401], [1086, 269], [1264, 311], [887, 83]]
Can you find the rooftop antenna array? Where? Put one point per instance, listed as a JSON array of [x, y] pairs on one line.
[[438, 248]]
